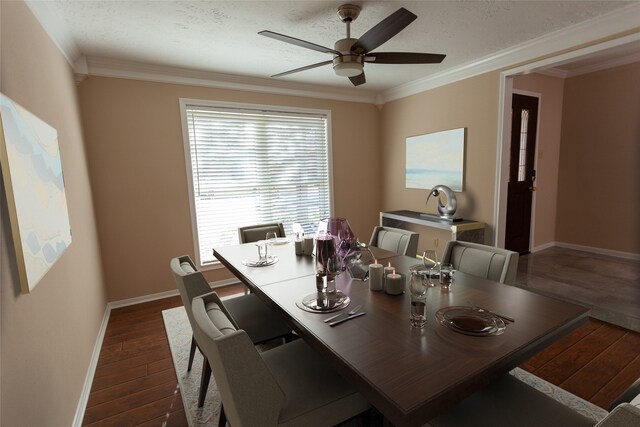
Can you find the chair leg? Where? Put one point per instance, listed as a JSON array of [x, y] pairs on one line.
[[204, 382], [222, 421], [192, 352]]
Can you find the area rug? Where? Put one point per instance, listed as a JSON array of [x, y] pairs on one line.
[[179, 335]]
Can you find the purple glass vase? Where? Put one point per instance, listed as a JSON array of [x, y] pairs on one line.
[[342, 235]]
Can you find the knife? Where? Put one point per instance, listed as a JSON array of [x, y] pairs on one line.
[[353, 316]]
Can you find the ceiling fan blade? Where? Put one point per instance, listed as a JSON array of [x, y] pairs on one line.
[[358, 80], [308, 67], [383, 31], [298, 42], [403, 58]]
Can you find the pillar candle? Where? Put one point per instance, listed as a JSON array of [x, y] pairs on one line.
[[376, 276], [394, 284], [298, 245], [307, 245], [387, 270]]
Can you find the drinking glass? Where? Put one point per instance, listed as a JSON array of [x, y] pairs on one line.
[[418, 298], [446, 276], [262, 250], [431, 264], [271, 236]]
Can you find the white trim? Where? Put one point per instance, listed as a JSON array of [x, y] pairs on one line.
[[504, 109], [554, 72], [600, 251], [617, 62], [543, 247], [164, 74], [93, 363], [502, 162], [91, 371], [603, 26], [249, 106], [160, 295], [56, 29]]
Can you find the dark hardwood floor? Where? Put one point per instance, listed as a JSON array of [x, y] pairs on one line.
[[135, 383]]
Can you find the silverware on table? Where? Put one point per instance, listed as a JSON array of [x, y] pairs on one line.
[[352, 312], [502, 316], [352, 316]]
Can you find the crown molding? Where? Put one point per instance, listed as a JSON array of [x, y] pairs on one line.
[[164, 74], [617, 62], [56, 29], [554, 72], [616, 22]]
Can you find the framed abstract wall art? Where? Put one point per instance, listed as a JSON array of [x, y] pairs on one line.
[[34, 189], [436, 159]]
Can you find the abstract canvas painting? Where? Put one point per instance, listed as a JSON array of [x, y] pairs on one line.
[[34, 189], [435, 159]]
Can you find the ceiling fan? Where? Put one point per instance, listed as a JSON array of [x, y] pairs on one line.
[[349, 55]]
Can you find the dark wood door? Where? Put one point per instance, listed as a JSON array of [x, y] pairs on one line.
[[524, 122]]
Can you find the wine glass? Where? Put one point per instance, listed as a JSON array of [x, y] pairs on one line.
[[271, 237], [431, 263]]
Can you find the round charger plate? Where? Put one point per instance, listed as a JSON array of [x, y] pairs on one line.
[[468, 321], [260, 263], [279, 241], [323, 303]]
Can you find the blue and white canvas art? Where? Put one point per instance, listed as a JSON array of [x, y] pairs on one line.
[[435, 159], [34, 188]]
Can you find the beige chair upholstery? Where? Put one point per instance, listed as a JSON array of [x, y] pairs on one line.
[[253, 233], [403, 242], [510, 402], [289, 385], [246, 312], [499, 265]]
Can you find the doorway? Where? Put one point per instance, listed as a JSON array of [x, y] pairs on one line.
[[522, 175]]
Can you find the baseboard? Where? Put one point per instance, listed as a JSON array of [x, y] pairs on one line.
[[167, 294], [88, 381], [543, 247], [600, 251], [86, 389]]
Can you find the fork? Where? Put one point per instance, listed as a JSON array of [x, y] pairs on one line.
[[350, 313]]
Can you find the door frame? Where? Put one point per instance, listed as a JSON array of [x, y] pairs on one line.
[[504, 128]]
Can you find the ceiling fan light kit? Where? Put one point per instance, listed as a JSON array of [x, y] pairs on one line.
[[349, 54]]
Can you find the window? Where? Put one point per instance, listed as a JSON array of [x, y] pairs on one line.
[[250, 164]]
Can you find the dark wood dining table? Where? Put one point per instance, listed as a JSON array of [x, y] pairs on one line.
[[410, 375]]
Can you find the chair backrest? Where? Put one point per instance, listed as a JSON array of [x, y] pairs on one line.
[[253, 233], [250, 394], [403, 242], [191, 284], [489, 262]]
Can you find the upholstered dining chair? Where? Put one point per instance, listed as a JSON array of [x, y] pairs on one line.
[[489, 262], [288, 385], [403, 242], [253, 233], [245, 312], [508, 401]]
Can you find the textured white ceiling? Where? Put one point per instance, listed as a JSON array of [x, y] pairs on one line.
[[221, 36]]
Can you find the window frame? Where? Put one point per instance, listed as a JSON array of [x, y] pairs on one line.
[[189, 102]]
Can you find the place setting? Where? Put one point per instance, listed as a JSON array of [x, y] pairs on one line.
[[263, 259]]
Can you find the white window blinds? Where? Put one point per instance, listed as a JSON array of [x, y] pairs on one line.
[[255, 166]]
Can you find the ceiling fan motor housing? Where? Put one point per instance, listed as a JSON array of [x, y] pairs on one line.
[[348, 64]]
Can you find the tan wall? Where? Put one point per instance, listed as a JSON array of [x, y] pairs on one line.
[[136, 158], [599, 180], [48, 336], [471, 103], [548, 152]]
